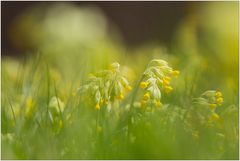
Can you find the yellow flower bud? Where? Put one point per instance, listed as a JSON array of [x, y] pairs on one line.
[[158, 103], [213, 106], [168, 89], [215, 116], [167, 78], [175, 73], [120, 96], [165, 82], [146, 96], [30, 104], [97, 106], [219, 100], [144, 85], [218, 94], [128, 88]]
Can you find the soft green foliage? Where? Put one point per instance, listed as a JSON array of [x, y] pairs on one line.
[[74, 101], [45, 116]]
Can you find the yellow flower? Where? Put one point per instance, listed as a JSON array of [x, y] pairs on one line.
[[97, 106], [128, 88], [213, 106], [175, 73], [168, 89], [120, 96], [215, 116], [30, 104], [219, 100], [218, 94], [158, 103], [166, 82], [144, 85], [146, 96], [167, 78]]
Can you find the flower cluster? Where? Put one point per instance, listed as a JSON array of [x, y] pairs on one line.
[[107, 86], [211, 99], [156, 78]]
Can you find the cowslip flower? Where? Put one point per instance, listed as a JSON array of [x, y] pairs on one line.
[[157, 78], [213, 98], [106, 86], [210, 99]]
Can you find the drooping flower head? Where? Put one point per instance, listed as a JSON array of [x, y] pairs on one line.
[[157, 78], [210, 99], [107, 86]]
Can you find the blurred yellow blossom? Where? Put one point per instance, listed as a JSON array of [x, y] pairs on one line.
[[144, 85]]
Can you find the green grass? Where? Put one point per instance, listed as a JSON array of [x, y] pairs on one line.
[[179, 129]]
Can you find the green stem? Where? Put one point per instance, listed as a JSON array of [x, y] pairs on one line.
[[134, 94], [14, 117], [97, 121], [60, 111]]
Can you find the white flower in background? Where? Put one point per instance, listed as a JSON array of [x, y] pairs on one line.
[[57, 104]]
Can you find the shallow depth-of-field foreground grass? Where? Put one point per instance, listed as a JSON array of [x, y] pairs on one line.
[[99, 100]]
